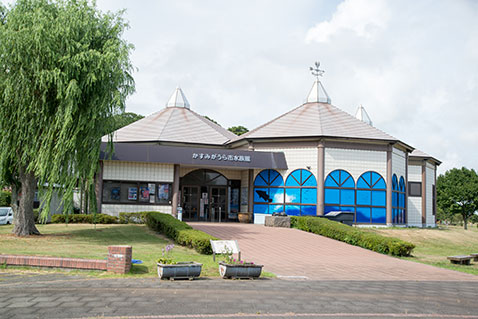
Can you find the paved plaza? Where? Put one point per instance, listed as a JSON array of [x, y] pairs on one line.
[[292, 252], [53, 296]]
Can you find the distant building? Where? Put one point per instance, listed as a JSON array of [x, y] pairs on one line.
[[309, 161]]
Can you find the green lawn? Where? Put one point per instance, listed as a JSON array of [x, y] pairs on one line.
[[433, 245], [83, 241]]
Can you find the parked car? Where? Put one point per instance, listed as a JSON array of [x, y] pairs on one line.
[[6, 215]]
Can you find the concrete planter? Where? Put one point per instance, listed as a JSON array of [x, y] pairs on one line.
[[228, 271], [182, 270], [244, 217]]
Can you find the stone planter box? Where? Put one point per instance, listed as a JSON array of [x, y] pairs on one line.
[[277, 221], [229, 271], [182, 270]]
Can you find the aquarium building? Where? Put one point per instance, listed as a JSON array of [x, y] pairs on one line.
[[310, 161]]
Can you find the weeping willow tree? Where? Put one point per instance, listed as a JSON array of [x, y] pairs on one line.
[[65, 71]]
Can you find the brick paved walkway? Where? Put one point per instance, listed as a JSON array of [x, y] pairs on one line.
[[291, 252]]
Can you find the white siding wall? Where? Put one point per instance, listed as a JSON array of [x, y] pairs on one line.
[[414, 203], [430, 171], [135, 171], [113, 209], [356, 162], [399, 163]]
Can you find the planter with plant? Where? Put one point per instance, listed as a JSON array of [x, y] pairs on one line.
[[232, 268], [168, 268]]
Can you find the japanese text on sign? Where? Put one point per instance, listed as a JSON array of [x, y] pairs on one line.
[[222, 157]]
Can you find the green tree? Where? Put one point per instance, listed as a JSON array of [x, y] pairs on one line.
[[65, 70], [238, 130], [210, 119], [123, 119], [457, 192]]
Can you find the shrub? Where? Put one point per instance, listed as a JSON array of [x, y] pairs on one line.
[[179, 231], [5, 198], [353, 236], [132, 218], [84, 219]]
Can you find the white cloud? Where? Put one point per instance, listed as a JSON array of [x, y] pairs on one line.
[[364, 18]]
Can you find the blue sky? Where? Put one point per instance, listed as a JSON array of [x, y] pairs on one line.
[[412, 64]]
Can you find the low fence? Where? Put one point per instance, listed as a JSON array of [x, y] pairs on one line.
[[119, 261]]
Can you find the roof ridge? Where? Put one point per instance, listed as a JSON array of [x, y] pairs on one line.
[[165, 123]]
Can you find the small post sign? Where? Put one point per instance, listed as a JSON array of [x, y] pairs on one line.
[[225, 247]]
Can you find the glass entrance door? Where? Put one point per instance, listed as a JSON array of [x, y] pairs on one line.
[[218, 205], [190, 202]]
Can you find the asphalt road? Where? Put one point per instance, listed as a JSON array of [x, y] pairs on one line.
[[55, 295]]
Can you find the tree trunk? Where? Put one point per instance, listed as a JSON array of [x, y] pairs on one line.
[[25, 221], [465, 222]]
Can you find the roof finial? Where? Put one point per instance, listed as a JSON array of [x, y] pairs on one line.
[[316, 71]]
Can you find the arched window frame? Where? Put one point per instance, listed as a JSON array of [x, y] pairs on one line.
[[342, 190], [375, 192], [305, 209], [401, 203], [272, 206], [398, 200]]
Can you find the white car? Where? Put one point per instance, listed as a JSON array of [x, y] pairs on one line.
[[6, 215]]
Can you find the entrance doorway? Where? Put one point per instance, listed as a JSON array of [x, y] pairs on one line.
[[218, 199], [205, 195]]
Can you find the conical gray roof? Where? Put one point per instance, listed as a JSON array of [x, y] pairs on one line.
[[314, 120], [176, 123]]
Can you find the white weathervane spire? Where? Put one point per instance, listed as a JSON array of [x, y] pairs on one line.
[[178, 99], [317, 94]]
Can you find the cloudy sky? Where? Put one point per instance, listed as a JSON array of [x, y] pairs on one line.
[[412, 64]]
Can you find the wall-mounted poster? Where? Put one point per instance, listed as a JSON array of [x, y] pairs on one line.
[[151, 199], [152, 188], [115, 193], [132, 193], [163, 192], [144, 193]]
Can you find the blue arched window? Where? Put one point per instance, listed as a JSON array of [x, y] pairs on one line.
[[398, 200], [371, 199], [401, 202], [301, 193], [339, 192], [268, 192]]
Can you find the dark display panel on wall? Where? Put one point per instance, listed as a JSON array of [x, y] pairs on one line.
[[116, 192]]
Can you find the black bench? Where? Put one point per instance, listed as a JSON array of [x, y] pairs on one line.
[[462, 260]]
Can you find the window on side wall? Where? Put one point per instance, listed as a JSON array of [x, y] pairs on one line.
[[414, 189]]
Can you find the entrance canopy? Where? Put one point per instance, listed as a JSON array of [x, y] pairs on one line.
[[214, 157]]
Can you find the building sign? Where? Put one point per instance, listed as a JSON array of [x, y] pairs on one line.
[[222, 157]]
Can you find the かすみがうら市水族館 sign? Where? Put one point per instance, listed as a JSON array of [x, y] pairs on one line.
[[221, 157]]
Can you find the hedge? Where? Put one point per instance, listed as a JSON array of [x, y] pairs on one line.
[[84, 219], [179, 231], [5, 198], [132, 218], [353, 236]]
